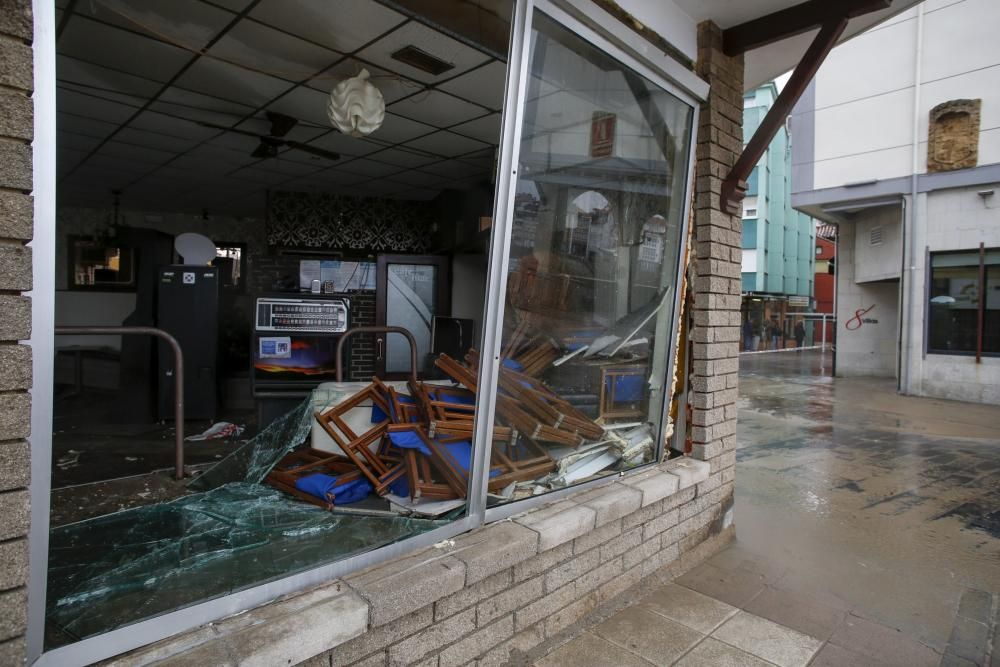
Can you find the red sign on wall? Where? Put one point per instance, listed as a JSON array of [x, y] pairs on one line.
[[602, 134]]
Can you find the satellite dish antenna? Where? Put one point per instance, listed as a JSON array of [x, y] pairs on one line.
[[195, 249]]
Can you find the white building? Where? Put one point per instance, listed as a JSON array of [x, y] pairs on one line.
[[914, 186]]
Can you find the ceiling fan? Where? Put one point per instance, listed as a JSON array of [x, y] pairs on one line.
[[273, 140]]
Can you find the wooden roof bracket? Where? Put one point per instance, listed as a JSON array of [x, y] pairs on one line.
[[832, 19]]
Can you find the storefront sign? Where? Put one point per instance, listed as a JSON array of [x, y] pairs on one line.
[[602, 134]]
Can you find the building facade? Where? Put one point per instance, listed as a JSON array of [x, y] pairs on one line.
[[778, 256], [475, 587], [913, 188]]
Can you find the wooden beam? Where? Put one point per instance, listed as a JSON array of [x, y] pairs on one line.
[[793, 21], [734, 187]]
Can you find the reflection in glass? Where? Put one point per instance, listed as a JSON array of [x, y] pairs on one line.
[[593, 261], [410, 303]]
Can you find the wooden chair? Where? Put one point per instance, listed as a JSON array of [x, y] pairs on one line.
[[301, 463], [365, 450]]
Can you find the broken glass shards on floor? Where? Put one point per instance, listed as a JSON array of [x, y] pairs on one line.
[[114, 570]]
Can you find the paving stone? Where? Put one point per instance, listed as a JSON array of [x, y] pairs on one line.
[[768, 640], [882, 642], [735, 587], [797, 611], [736, 557], [589, 649], [838, 656], [968, 639], [494, 548], [713, 653], [950, 660], [690, 608], [402, 586], [975, 604], [654, 637], [558, 523]]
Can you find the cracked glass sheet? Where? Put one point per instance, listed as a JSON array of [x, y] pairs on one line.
[[110, 571], [113, 570]]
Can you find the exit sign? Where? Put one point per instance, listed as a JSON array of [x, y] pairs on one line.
[[602, 134]]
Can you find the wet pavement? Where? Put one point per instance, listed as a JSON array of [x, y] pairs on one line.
[[868, 533]]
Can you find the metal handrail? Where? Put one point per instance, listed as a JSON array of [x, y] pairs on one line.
[[366, 330], [178, 376]]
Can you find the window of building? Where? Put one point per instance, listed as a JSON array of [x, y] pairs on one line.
[[231, 259], [964, 303], [605, 290], [750, 207]]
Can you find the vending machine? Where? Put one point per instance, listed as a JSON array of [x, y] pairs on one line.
[[294, 348], [187, 307]]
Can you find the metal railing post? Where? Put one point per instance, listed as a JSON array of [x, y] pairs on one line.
[[366, 330], [178, 376]]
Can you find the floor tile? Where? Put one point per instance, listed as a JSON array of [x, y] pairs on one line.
[[687, 607], [713, 653], [887, 644], [737, 556], [766, 639], [838, 656], [651, 636], [589, 650], [799, 611], [735, 587]]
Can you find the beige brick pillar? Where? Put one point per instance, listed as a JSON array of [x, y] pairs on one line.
[[16, 130], [716, 262]]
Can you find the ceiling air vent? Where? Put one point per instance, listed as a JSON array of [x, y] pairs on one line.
[[422, 60], [875, 236]]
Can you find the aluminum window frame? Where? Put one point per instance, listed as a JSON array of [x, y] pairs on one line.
[[581, 16], [928, 285]]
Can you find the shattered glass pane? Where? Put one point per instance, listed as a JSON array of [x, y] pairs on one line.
[[117, 569], [120, 568]]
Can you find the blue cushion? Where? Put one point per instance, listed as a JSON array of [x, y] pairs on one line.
[[408, 440], [323, 486], [627, 387], [378, 415], [513, 365]]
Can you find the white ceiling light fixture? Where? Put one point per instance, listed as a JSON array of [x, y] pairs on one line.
[[356, 107]]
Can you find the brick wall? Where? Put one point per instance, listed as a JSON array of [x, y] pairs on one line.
[[16, 210], [506, 592], [716, 262]]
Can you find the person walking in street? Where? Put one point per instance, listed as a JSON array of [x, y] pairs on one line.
[[775, 333], [747, 335], [800, 333]]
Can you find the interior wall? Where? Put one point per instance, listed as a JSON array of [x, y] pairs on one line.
[[468, 274]]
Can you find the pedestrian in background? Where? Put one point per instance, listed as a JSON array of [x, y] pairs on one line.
[[775, 333], [747, 335], [800, 333]]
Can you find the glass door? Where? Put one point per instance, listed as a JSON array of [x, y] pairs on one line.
[[412, 290]]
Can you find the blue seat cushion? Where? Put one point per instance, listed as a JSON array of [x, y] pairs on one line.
[[343, 492]]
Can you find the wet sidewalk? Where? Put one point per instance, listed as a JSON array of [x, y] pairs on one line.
[[868, 533]]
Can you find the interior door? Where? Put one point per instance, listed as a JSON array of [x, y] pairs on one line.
[[410, 291]]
